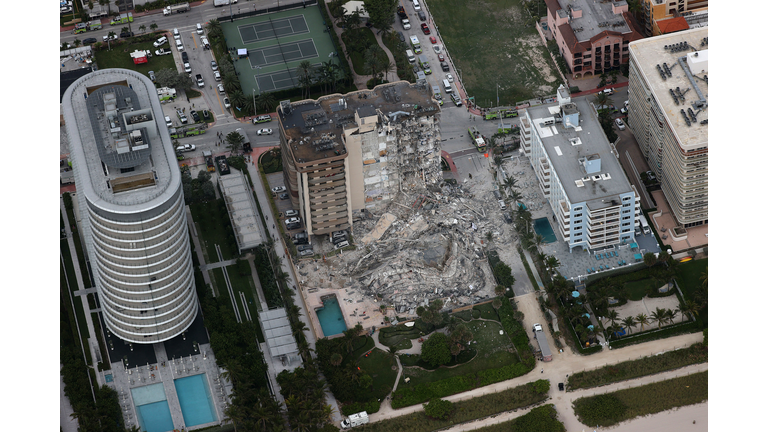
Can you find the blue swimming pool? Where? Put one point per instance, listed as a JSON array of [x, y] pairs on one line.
[[195, 399], [330, 317], [544, 229], [152, 408]]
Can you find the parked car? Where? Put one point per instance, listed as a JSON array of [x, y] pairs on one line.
[[560, 386], [185, 57], [262, 119], [620, 124], [162, 52], [168, 121], [425, 29], [278, 189], [304, 247], [337, 240], [456, 99], [341, 245], [401, 12], [624, 110], [449, 77], [422, 15], [185, 148], [401, 36], [206, 115], [651, 176], [293, 226], [284, 196], [293, 220], [444, 66], [195, 116], [432, 39], [88, 41], [160, 41], [176, 34], [226, 103], [214, 66], [126, 34], [108, 38], [291, 213], [220, 87], [265, 131], [440, 57], [187, 68], [606, 91], [217, 76], [507, 218], [437, 48], [306, 252], [152, 75], [182, 117]]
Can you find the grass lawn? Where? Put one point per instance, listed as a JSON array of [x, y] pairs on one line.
[[362, 36], [689, 281], [244, 284], [211, 229], [490, 43], [119, 56], [487, 311], [221, 288], [68, 274], [492, 352], [68, 305], [638, 289], [379, 366], [612, 408]]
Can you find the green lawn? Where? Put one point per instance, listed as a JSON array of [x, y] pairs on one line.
[[120, 56], [638, 289], [490, 43], [362, 36], [492, 352], [689, 281], [211, 227], [379, 366], [244, 284], [239, 284]]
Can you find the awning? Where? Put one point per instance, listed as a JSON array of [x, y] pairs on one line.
[[638, 257]]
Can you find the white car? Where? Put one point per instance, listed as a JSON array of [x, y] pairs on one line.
[[291, 213], [187, 68], [278, 189], [176, 34], [221, 88], [620, 124], [264, 132], [185, 148], [179, 45], [214, 66], [168, 121], [162, 52], [160, 41], [106, 38], [226, 103], [606, 91], [436, 48], [292, 220], [449, 77], [217, 76]]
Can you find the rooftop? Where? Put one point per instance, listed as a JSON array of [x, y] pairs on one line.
[[122, 154], [242, 209], [568, 148], [650, 55], [596, 17], [314, 129]]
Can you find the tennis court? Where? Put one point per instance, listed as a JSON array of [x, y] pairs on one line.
[[276, 54], [276, 43], [273, 29]]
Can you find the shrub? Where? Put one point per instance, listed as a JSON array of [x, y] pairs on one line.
[[600, 409], [435, 350], [438, 409], [503, 274], [67, 200]]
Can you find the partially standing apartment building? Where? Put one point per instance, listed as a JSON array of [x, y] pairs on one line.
[[593, 36], [344, 155], [594, 204], [668, 100], [131, 205]]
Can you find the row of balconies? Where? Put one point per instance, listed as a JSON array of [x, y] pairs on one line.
[[147, 310], [152, 333], [146, 290], [124, 260], [173, 213], [137, 280]]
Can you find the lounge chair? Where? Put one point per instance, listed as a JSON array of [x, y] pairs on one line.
[[593, 269]]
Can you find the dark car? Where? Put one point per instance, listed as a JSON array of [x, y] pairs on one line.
[[88, 41], [185, 57], [284, 196], [401, 36], [444, 67], [425, 28], [507, 218], [126, 34], [195, 115], [401, 12], [422, 15], [416, 69], [293, 226], [561, 387]]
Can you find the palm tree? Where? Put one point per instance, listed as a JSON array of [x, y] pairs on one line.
[[649, 259], [304, 72], [629, 322], [489, 236], [77, 42], [704, 278], [612, 316], [552, 262], [498, 160], [659, 316], [387, 67], [510, 183], [237, 97], [643, 320], [336, 359], [265, 101], [602, 99], [671, 314], [143, 28], [515, 196], [153, 26], [124, 30], [110, 35]]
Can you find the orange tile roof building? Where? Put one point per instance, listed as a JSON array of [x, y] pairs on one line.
[[668, 16], [593, 37]]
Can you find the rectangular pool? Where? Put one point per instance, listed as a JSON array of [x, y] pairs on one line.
[[543, 228], [195, 399], [152, 408], [330, 317]]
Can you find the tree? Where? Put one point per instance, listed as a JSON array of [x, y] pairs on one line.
[[381, 13], [461, 335], [124, 30], [77, 42], [237, 98], [510, 183], [489, 236], [552, 262], [496, 303], [649, 259], [110, 36], [671, 314], [153, 26], [234, 141], [629, 322], [143, 28], [431, 314], [183, 81], [659, 316], [304, 71], [365, 381], [612, 316], [704, 278], [643, 320], [387, 67], [438, 409], [352, 20], [265, 102], [435, 350], [166, 77], [503, 274], [499, 290]]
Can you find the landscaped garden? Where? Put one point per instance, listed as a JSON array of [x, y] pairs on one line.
[[214, 227], [540, 419], [613, 408], [120, 54]]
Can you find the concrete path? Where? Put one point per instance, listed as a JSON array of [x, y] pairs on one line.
[[388, 52], [219, 264]]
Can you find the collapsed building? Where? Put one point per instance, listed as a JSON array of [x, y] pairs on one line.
[[346, 155]]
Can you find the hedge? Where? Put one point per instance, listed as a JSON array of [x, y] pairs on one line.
[[689, 327]]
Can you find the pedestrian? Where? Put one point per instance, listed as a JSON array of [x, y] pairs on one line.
[[542, 371]]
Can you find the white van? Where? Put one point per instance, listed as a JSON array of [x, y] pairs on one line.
[[179, 45], [447, 86], [411, 57], [199, 28], [416, 5]]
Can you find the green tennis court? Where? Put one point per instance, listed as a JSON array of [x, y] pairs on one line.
[[276, 43]]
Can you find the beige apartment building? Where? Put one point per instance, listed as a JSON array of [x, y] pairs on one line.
[[668, 100], [347, 154]]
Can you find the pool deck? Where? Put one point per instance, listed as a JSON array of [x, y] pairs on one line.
[[165, 371], [354, 308]]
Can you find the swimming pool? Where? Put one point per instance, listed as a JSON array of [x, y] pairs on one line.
[[152, 408], [330, 317], [543, 228], [195, 400]]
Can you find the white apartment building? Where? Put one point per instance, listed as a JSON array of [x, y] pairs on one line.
[[668, 99], [131, 204], [594, 204]]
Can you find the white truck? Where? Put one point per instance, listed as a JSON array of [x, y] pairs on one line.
[[200, 82], [166, 93], [541, 338], [217, 3], [177, 8], [358, 419], [406, 23]]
